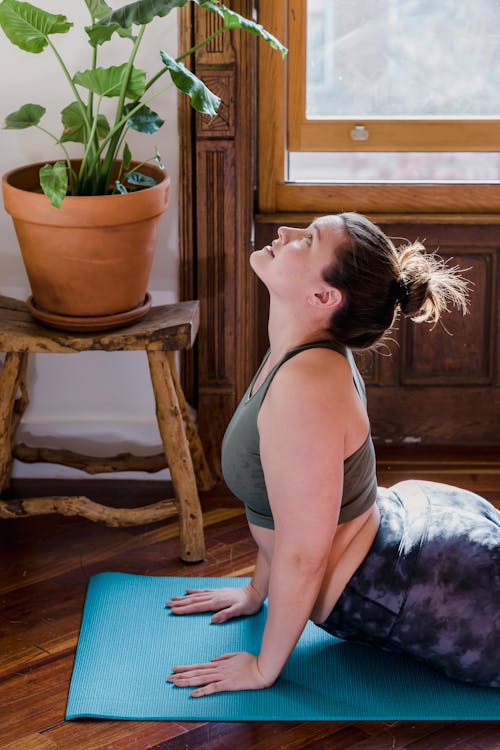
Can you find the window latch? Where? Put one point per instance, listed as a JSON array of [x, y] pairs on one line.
[[359, 133]]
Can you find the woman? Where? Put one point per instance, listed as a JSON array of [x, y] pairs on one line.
[[414, 569]]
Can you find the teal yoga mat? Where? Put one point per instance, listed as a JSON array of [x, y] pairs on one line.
[[129, 641]]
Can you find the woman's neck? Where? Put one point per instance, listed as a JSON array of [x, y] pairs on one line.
[[290, 328]]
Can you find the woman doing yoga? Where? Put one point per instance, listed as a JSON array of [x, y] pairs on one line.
[[412, 569]]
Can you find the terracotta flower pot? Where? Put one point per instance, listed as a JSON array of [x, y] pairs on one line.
[[89, 261]]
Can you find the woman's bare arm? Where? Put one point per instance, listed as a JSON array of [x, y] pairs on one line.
[[302, 429]]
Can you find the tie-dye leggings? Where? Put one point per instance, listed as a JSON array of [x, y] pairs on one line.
[[430, 584]]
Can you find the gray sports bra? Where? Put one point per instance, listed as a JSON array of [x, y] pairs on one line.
[[242, 468]]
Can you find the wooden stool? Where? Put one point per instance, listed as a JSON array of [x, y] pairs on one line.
[[164, 330]]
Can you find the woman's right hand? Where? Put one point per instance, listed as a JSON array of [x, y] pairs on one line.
[[226, 603]]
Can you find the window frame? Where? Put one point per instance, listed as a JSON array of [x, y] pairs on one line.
[[385, 133], [277, 103]]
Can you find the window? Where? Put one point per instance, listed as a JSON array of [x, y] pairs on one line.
[[386, 106]]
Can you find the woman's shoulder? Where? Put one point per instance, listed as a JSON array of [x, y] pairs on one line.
[[318, 362], [314, 371], [310, 400]]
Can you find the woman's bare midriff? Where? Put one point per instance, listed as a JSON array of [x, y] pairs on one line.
[[350, 546]]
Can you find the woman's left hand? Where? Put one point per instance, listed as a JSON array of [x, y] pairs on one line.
[[238, 671]]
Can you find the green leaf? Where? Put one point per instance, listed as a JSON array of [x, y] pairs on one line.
[[122, 19], [141, 12], [102, 127], [144, 120], [98, 8], [74, 125], [28, 27], [54, 182], [120, 187], [233, 20], [202, 99], [139, 179], [99, 34], [107, 81], [25, 117], [127, 157]]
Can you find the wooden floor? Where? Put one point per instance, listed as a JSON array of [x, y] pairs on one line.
[[46, 563]]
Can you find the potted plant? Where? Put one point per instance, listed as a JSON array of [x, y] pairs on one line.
[[87, 227]]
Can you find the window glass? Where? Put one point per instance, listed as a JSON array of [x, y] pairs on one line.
[[418, 166], [403, 58]]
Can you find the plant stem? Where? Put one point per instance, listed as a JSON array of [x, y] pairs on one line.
[[123, 135], [117, 128], [90, 147], [202, 43], [138, 166], [90, 100], [70, 81], [107, 166], [55, 138], [128, 71]]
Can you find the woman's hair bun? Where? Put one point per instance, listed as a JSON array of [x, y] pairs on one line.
[[428, 285], [377, 280]]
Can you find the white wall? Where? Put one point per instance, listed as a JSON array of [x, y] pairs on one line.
[[94, 402]]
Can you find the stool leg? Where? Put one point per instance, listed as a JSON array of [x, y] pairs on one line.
[[12, 378], [204, 477], [176, 446]]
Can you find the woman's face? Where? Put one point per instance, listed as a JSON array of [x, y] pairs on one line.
[[294, 262]]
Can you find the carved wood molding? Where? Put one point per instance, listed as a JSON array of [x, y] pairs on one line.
[[216, 221]]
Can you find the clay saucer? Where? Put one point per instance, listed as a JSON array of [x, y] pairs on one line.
[[87, 324]]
